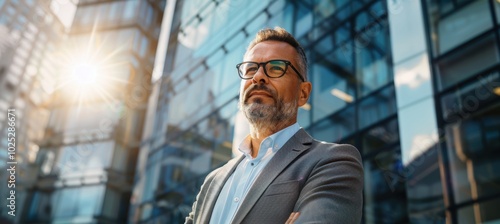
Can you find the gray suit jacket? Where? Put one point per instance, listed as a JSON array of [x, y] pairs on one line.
[[323, 181]]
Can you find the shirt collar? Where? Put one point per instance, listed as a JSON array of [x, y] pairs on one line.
[[273, 142]]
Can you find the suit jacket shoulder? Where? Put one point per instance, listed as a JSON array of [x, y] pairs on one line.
[[334, 151], [323, 181], [209, 192]]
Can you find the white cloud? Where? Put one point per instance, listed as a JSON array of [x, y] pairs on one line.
[[414, 76], [422, 143]]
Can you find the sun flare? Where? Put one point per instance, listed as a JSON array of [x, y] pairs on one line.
[[83, 78], [93, 68], [84, 73]]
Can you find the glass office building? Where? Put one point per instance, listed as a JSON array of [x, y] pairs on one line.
[[29, 31], [87, 157], [463, 48], [414, 85]]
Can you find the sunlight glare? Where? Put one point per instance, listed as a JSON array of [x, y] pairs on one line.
[[84, 74]]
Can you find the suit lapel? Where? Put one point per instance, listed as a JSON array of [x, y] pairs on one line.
[[293, 148], [215, 188]]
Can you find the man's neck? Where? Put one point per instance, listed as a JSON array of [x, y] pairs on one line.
[[259, 132]]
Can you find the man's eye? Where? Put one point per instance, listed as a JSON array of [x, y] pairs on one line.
[[276, 68], [251, 69]]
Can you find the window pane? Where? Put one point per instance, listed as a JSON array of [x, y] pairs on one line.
[[333, 85], [90, 199], [41, 207], [468, 98], [68, 206], [83, 158], [380, 137], [111, 204], [336, 127], [130, 10], [324, 9], [144, 46], [467, 62], [377, 107], [371, 50], [473, 151], [304, 20], [424, 189], [484, 212], [385, 190], [463, 24]]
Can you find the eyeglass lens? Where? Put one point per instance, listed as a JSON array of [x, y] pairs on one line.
[[272, 68]]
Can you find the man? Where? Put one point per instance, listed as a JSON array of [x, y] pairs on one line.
[[284, 175]]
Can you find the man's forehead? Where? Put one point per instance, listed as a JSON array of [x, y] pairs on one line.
[[269, 49]]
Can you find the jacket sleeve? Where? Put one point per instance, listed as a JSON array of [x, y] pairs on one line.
[[333, 193], [190, 217], [197, 204]]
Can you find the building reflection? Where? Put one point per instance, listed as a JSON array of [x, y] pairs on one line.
[[401, 104], [472, 148]]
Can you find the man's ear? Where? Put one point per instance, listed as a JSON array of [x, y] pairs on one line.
[[305, 92]]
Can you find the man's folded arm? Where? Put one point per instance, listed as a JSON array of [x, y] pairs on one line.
[[333, 192]]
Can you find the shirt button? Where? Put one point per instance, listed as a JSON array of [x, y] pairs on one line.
[[236, 199], [251, 164]]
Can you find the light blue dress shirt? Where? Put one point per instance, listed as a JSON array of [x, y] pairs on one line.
[[238, 184]]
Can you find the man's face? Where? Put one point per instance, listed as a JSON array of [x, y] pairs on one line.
[[272, 100]]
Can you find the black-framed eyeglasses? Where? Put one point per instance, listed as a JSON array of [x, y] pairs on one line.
[[272, 69]]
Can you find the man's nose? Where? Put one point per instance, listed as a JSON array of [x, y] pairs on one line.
[[260, 76]]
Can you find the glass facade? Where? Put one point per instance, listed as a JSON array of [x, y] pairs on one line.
[[29, 32], [127, 107], [467, 85], [196, 115], [88, 153], [414, 85]]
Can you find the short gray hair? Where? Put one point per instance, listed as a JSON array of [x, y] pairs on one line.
[[280, 34]]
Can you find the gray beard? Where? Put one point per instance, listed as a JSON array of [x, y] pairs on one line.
[[271, 117]]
